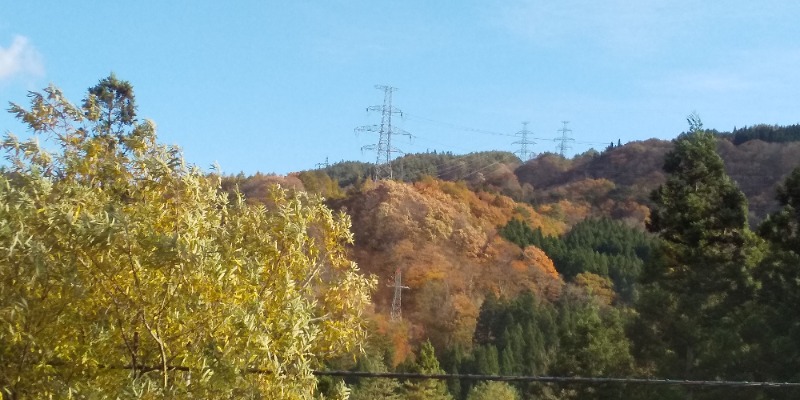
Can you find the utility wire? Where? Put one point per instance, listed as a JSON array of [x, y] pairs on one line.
[[477, 377], [481, 131], [445, 147], [442, 170], [481, 169], [455, 126], [559, 379]]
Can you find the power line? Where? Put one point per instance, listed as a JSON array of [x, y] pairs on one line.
[[456, 126], [478, 377], [384, 148], [446, 147], [581, 142], [478, 130], [467, 174], [560, 379], [448, 166]]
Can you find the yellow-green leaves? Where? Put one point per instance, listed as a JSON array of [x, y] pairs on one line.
[[126, 273]]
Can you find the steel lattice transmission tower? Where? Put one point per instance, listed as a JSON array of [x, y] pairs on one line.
[[523, 143], [384, 148], [397, 301], [564, 140]]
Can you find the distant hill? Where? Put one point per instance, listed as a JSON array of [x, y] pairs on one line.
[[758, 167], [614, 183], [621, 178]]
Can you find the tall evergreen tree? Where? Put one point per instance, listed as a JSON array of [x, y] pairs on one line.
[[375, 388], [780, 291], [493, 391], [427, 389], [111, 105], [692, 305]]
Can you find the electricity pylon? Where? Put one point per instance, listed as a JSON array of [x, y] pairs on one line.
[[397, 301], [384, 148], [562, 145], [523, 143]]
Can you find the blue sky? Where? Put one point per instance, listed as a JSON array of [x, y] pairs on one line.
[[280, 86]]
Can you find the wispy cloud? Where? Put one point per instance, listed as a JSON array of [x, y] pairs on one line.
[[20, 59], [708, 82], [613, 23], [631, 27], [765, 72]]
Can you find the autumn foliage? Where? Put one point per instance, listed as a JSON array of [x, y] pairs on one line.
[[443, 237]]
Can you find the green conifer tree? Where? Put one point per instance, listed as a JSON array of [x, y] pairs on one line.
[[695, 291], [780, 291], [375, 388], [493, 391], [427, 389]]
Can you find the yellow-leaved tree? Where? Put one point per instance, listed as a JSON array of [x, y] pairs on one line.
[[126, 273]]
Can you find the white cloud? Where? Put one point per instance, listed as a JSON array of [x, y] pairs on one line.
[[643, 26], [20, 59], [710, 82], [612, 23], [755, 74]]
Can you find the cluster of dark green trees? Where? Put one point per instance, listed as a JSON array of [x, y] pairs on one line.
[[575, 336], [700, 296], [599, 246], [766, 133]]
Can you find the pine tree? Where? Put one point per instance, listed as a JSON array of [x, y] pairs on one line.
[[488, 320], [780, 291], [782, 229], [692, 303], [427, 389], [375, 388], [493, 391], [487, 360]]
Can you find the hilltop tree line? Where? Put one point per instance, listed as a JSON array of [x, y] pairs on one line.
[[765, 133]]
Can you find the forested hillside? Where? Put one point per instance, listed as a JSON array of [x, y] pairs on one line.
[[546, 267], [126, 271], [616, 312], [617, 182]]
